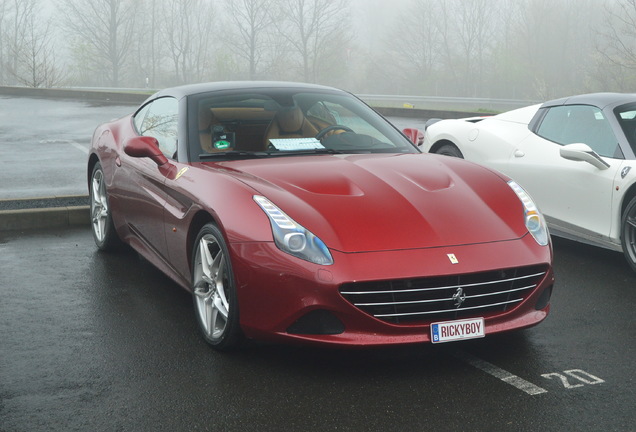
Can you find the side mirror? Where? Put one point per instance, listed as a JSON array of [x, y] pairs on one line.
[[583, 153], [145, 146], [415, 135]]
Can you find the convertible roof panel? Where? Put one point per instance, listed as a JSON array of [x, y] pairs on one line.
[[600, 100]]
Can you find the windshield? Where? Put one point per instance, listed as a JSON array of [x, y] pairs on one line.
[[283, 122]]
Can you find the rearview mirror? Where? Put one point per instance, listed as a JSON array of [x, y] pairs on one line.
[[583, 153], [145, 146]]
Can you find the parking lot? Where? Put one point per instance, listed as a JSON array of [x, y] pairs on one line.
[[95, 341]]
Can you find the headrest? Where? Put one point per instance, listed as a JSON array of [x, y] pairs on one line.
[[290, 119], [205, 118]]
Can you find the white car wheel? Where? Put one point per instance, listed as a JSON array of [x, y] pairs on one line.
[[450, 150]]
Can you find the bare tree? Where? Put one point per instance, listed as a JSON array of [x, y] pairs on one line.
[[104, 28], [251, 32], [15, 33], [4, 14], [189, 34], [147, 48], [35, 62], [315, 30], [498, 48], [444, 46], [620, 33], [411, 64], [554, 45], [506, 74], [616, 45], [466, 29]]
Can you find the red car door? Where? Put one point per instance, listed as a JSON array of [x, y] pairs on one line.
[[141, 183]]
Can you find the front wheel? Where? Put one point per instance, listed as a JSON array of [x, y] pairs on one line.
[[450, 150], [104, 233], [213, 290], [628, 233]]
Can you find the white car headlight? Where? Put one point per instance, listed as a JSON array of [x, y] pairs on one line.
[[293, 238], [534, 219]]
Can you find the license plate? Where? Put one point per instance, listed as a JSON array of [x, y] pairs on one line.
[[449, 331]]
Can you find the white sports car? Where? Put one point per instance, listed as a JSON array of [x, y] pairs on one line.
[[573, 155]]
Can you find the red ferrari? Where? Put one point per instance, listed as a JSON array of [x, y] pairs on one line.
[[296, 213]]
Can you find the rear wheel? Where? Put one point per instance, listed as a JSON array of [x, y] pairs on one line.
[[450, 150], [628, 233], [213, 290], [104, 233]]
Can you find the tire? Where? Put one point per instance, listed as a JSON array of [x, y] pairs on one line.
[[214, 290], [102, 226], [450, 150], [628, 233]]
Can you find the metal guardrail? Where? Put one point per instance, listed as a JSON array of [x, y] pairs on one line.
[[408, 106], [434, 103], [442, 103]]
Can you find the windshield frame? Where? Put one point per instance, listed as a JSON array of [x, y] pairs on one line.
[[627, 126]]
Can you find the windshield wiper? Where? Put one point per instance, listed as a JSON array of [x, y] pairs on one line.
[[233, 155]]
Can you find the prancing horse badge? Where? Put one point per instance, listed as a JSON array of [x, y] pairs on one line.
[[453, 259]]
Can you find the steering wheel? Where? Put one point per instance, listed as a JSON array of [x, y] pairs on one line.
[[328, 129]]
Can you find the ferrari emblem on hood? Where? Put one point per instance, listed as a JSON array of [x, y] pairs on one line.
[[453, 259]]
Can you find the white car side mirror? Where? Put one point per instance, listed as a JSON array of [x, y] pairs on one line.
[[583, 153]]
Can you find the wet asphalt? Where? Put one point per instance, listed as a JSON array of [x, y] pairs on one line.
[[97, 341], [44, 145], [104, 342]]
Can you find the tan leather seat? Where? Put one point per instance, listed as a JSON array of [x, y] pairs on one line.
[[289, 123]]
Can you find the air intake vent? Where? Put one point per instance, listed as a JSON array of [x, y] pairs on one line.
[[412, 301]]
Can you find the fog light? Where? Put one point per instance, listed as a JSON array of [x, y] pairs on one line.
[[317, 322]]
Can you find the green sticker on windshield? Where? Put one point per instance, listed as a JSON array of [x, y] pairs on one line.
[[221, 144]]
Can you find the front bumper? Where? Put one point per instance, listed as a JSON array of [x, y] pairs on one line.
[[282, 298]]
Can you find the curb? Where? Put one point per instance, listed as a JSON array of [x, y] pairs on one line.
[[52, 217], [39, 213]]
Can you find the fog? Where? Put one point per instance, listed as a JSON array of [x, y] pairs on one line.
[[506, 49]]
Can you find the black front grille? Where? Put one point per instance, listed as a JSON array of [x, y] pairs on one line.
[[444, 297]]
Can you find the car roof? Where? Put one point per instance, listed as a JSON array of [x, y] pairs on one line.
[[191, 89], [600, 100]]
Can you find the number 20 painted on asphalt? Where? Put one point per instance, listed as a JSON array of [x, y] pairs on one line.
[[577, 374]]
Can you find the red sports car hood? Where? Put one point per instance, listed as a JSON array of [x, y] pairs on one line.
[[378, 202]]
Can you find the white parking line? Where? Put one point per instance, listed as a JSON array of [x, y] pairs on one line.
[[79, 147], [502, 374]]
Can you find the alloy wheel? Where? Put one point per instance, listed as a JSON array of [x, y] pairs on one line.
[[99, 206], [211, 283]]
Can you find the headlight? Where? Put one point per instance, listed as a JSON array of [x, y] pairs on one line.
[[533, 217], [293, 238]]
